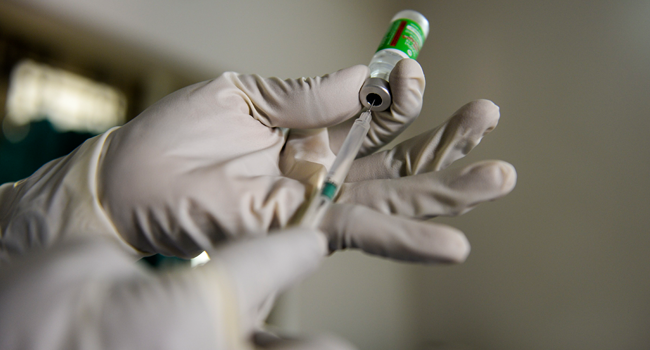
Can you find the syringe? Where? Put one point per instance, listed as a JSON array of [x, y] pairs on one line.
[[338, 172]]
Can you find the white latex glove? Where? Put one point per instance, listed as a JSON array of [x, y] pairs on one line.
[[213, 161], [412, 181], [88, 294]]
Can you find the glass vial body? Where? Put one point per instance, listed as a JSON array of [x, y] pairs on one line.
[[406, 35], [404, 39]]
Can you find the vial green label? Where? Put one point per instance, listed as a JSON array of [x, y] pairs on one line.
[[404, 35]]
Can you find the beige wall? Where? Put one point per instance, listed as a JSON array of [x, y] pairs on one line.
[[561, 263], [564, 262]]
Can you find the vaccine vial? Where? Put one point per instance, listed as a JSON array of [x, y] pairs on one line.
[[405, 36]]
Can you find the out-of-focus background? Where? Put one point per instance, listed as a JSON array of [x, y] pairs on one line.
[[561, 263]]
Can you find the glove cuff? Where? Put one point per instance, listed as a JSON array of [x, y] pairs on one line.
[[58, 202]]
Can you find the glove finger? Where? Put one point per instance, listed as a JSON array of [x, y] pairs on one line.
[[303, 103], [407, 88], [356, 226], [433, 150], [265, 340], [261, 267], [448, 192]]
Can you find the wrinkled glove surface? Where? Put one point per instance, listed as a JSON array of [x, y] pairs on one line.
[[239, 155]]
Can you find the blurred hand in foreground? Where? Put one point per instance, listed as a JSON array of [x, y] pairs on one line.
[[87, 293]]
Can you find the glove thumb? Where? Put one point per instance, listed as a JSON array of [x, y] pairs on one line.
[[303, 103]]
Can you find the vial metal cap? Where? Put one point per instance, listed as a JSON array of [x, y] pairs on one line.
[[375, 94]]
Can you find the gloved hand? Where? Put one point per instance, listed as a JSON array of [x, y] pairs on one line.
[[89, 294], [216, 159]]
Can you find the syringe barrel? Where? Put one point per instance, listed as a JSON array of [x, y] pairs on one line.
[[404, 39], [349, 149]]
